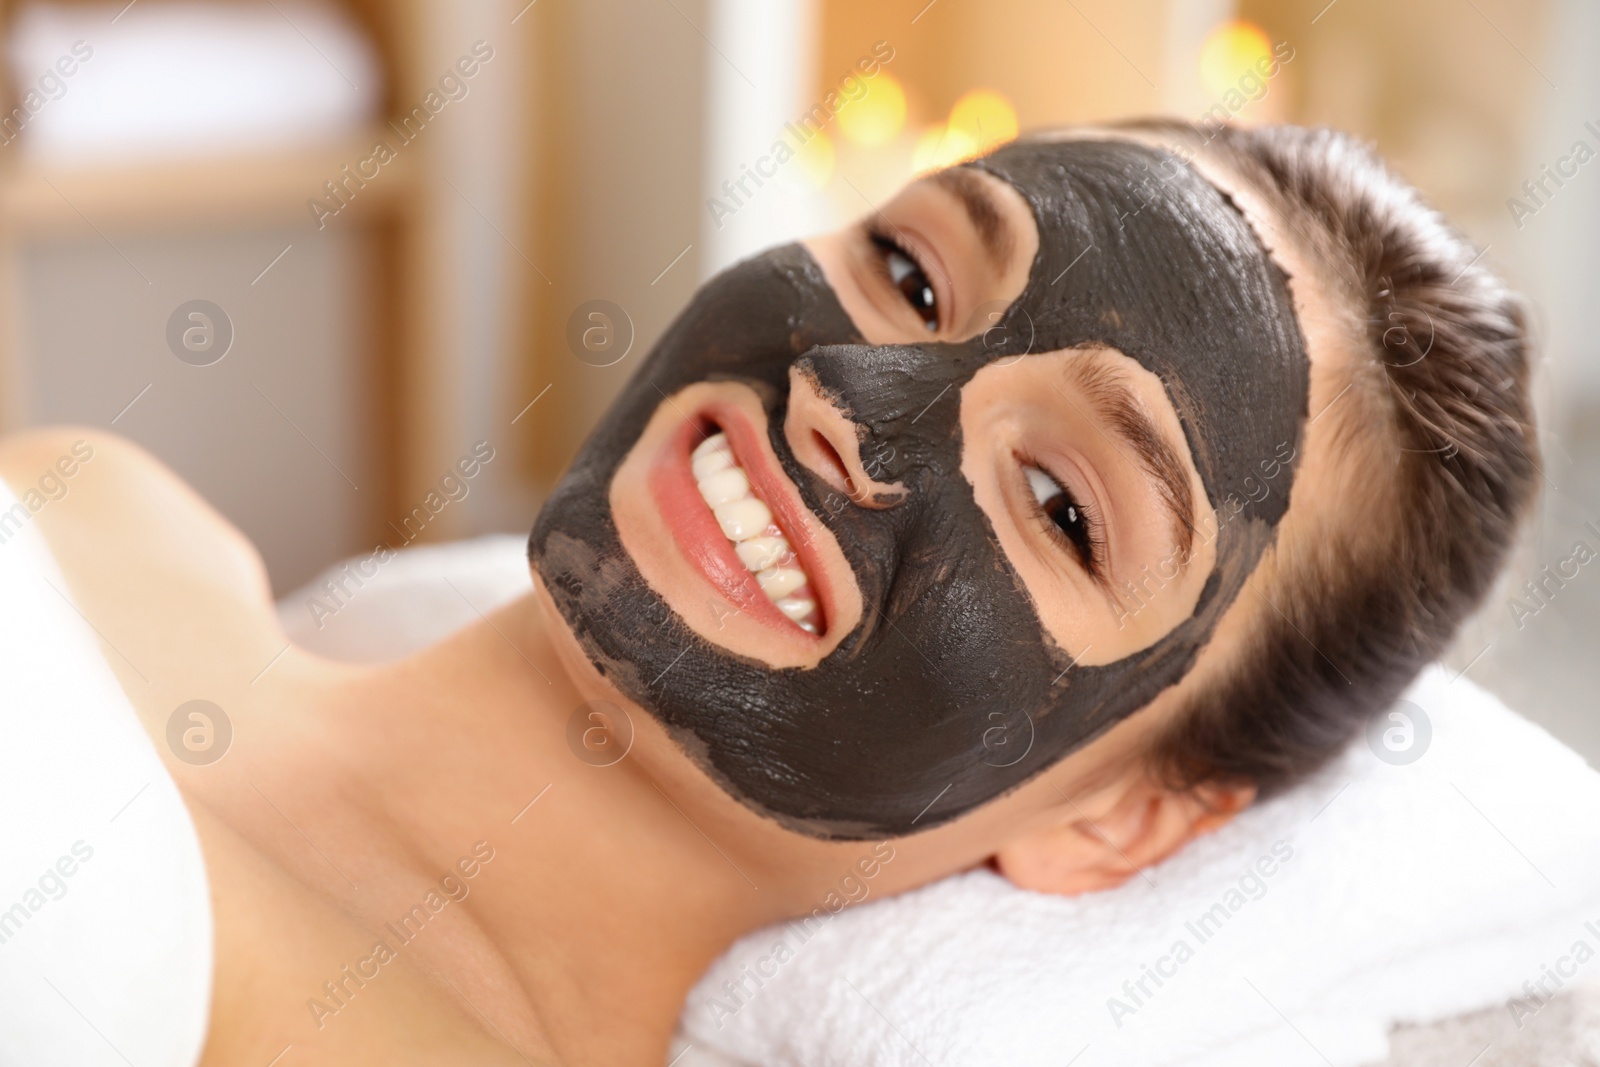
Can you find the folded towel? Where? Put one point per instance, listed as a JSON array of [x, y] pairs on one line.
[[1300, 933], [1377, 893], [121, 81]]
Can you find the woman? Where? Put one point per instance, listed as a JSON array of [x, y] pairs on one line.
[[1043, 519]]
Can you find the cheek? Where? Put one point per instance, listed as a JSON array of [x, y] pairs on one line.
[[1166, 588]]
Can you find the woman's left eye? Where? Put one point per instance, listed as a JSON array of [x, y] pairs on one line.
[[905, 275], [1067, 520]]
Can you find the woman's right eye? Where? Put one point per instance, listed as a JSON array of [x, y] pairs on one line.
[[906, 275]]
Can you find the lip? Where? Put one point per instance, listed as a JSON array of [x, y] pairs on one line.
[[700, 538]]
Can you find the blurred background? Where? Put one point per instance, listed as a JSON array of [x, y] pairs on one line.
[[311, 254]]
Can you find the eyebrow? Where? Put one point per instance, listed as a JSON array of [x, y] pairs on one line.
[[975, 198], [1113, 402]]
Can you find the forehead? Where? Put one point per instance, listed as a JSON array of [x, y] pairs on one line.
[[1128, 190], [1332, 329], [1283, 241]]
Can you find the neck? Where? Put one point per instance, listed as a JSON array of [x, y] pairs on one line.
[[601, 891]]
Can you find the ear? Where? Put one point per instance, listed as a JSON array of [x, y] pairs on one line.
[[1103, 839]]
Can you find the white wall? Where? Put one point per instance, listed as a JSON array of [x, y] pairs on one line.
[[1556, 253], [277, 434], [759, 75]]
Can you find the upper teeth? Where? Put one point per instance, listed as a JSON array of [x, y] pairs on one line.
[[747, 522]]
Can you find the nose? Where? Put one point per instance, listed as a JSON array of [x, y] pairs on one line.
[[828, 443]]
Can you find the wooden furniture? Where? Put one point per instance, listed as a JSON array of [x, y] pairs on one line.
[[409, 344]]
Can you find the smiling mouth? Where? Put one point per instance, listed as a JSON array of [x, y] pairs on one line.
[[748, 524]]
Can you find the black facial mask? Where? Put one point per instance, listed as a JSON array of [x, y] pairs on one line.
[[895, 730]]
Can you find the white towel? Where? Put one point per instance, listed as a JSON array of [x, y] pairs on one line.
[[105, 916], [1395, 893], [387, 604]]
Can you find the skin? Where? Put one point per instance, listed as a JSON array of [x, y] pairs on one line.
[[349, 790]]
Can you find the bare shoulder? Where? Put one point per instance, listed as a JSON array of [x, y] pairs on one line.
[[177, 596], [97, 494]]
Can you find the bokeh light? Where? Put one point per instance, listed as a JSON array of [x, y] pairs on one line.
[[941, 146], [1230, 51], [878, 115], [985, 117], [814, 161]]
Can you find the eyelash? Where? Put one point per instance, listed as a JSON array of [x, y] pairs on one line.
[[886, 245], [1090, 550]]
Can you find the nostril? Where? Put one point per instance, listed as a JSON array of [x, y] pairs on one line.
[[826, 441], [837, 473]]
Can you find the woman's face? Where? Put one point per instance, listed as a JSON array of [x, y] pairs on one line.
[[893, 520]]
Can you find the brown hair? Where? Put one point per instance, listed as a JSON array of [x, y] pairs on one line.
[[1439, 440]]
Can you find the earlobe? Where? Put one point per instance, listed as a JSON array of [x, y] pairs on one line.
[[1104, 840]]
